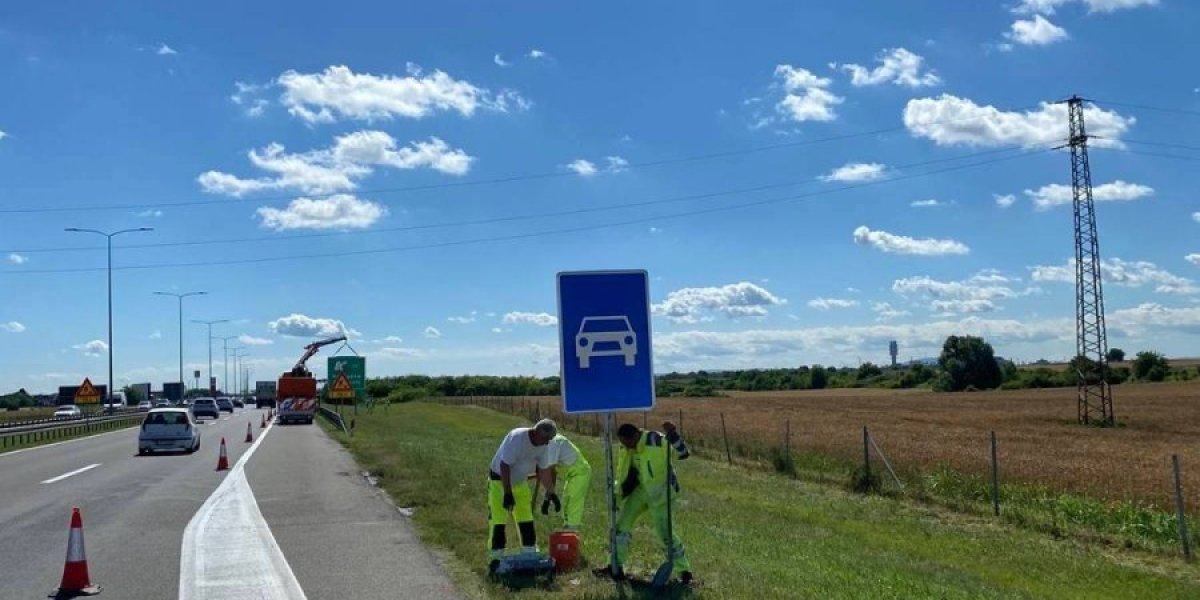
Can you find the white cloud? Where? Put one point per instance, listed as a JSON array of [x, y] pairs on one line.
[[12, 327], [884, 311], [582, 167], [394, 352], [3, 135], [1196, 217], [1004, 200], [500, 62], [250, 340], [1193, 258], [1037, 31], [338, 167], [93, 348], [1123, 273], [497, 330], [856, 172], [931, 203], [976, 294], [616, 164], [1106, 6], [529, 318], [1047, 7], [340, 211], [951, 121], [902, 244], [393, 339], [536, 54], [742, 299], [806, 97], [831, 303], [897, 66], [165, 50], [17, 259], [249, 97], [432, 332], [1057, 194], [1035, 7], [655, 230], [299, 325], [463, 320], [1150, 318], [155, 335], [339, 93], [150, 213]]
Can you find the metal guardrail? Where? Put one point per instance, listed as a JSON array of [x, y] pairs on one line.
[[10, 425], [51, 431], [334, 418]]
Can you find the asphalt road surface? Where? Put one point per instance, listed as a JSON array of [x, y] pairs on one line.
[[312, 519]]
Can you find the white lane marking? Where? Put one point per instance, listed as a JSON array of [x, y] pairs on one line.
[[72, 473], [228, 550], [15, 452]]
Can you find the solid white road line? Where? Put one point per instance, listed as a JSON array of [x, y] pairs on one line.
[[72, 473], [228, 550]]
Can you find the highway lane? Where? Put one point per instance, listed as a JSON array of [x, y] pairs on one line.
[[134, 509]]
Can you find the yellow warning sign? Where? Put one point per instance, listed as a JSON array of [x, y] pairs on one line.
[[341, 387], [87, 393]]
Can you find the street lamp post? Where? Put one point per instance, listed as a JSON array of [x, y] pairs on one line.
[[237, 369], [210, 339], [108, 237], [225, 359], [180, 297]]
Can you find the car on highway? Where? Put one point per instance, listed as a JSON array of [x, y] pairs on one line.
[[206, 407], [225, 404], [237, 403], [169, 429], [68, 411], [162, 404], [145, 406]]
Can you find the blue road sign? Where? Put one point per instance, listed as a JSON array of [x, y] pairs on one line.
[[604, 341]]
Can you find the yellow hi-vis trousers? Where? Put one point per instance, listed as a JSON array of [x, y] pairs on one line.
[[522, 513], [632, 508], [575, 482]]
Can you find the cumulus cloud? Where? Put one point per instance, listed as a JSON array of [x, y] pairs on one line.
[[340, 93], [952, 121], [856, 172], [500, 62], [902, 244], [12, 327], [1037, 31], [1057, 194], [300, 325], [536, 54], [3, 135], [1004, 200], [1048, 7], [976, 294], [165, 50], [884, 311], [17, 259], [250, 340], [432, 332], [931, 203], [587, 168], [1151, 318], [692, 305], [463, 320], [897, 66], [806, 96], [249, 97], [1193, 258], [1123, 273], [340, 211], [1196, 217], [582, 167], [93, 348], [529, 318], [831, 303]]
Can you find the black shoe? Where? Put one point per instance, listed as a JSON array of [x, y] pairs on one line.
[[608, 572], [492, 566], [686, 578]]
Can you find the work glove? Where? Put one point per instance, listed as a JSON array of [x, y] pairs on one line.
[[676, 440], [509, 502], [551, 498]]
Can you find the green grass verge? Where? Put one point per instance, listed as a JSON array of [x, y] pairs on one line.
[[750, 534]]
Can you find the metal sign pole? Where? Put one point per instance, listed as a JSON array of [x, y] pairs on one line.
[[612, 492]]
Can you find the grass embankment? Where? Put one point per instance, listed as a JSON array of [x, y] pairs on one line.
[[750, 534]]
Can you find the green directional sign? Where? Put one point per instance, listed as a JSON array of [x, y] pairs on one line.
[[355, 368]]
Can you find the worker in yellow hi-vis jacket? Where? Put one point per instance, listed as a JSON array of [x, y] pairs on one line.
[[571, 469], [642, 479]]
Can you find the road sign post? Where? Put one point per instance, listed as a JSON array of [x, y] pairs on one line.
[[605, 354]]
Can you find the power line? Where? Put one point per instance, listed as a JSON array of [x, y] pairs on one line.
[[504, 219], [536, 234], [479, 182], [1182, 111], [1154, 154]]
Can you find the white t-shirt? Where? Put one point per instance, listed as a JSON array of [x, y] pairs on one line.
[[560, 452], [522, 457]]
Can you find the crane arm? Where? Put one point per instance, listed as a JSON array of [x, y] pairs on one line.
[[312, 349]]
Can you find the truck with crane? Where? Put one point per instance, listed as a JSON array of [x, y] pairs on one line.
[[296, 393]]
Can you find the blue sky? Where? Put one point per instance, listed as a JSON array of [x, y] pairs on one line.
[[779, 161]]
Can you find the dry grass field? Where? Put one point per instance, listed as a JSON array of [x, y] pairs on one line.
[[919, 431]]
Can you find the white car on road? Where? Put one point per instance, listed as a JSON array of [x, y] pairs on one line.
[[605, 336], [169, 429], [68, 411]]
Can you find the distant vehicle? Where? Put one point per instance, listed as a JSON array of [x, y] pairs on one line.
[[205, 406], [297, 391], [605, 336], [264, 394], [115, 400], [185, 403], [169, 429], [225, 404], [237, 403], [162, 404], [68, 411], [144, 406]]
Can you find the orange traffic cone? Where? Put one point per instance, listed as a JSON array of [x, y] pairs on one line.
[[249, 434], [75, 579], [222, 459], [264, 422]]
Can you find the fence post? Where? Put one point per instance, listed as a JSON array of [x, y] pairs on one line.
[[725, 434], [1182, 516], [866, 453], [995, 478]]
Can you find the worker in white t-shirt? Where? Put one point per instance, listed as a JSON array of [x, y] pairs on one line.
[[521, 455]]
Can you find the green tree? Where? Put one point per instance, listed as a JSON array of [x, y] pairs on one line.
[[1115, 355], [817, 378], [1150, 366], [868, 370], [133, 395], [967, 361]]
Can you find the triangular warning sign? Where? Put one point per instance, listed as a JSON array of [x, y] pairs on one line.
[[341, 387], [87, 393]]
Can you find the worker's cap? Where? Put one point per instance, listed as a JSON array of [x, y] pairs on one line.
[[547, 428]]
